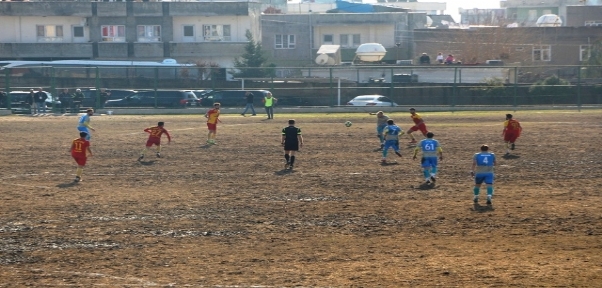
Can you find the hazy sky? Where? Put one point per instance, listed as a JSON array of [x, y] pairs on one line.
[[453, 5]]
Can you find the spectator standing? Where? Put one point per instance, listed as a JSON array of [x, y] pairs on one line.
[[269, 101], [65, 98], [440, 58], [249, 97], [40, 101], [78, 97], [104, 96], [425, 59], [3, 99]]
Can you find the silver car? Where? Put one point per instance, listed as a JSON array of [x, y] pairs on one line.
[[372, 100]]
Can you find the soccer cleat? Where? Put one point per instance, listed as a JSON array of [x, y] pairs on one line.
[[158, 155], [141, 157], [428, 182], [512, 146], [413, 141], [433, 179], [398, 154], [488, 201], [254, 115], [383, 161], [77, 179], [475, 200], [243, 114], [290, 167], [287, 165]]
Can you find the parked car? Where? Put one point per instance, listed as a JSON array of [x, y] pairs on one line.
[[231, 98], [18, 100], [164, 98], [371, 100], [90, 95]]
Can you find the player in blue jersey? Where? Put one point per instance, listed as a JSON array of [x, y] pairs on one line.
[[391, 134], [430, 151], [482, 170], [84, 123]]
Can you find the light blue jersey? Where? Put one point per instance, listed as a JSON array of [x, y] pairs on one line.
[[83, 124], [484, 169], [430, 148]]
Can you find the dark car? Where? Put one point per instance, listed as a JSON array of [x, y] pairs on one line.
[[19, 101], [164, 98], [231, 98], [90, 95]]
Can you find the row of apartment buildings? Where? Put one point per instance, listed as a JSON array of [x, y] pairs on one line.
[[214, 32]]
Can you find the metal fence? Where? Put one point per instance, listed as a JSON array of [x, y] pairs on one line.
[[447, 85]]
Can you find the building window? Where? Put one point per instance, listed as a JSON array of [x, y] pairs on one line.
[[149, 33], [327, 39], [112, 33], [188, 33], [78, 31], [49, 33], [532, 15], [585, 51], [350, 40], [284, 41], [542, 53], [216, 33]]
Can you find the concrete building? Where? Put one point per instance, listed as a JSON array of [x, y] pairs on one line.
[[293, 40], [210, 32], [538, 46], [526, 12]]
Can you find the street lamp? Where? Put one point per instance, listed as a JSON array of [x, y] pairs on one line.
[[397, 57]]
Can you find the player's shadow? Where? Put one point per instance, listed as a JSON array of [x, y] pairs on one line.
[[510, 156], [482, 208], [377, 150], [147, 163], [284, 172], [206, 146], [67, 185], [388, 163], [426, 186]]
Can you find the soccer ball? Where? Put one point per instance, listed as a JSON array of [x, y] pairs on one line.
[[348, 123]]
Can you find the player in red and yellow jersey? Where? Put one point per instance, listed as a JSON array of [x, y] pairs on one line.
[[212, 119], [512, 130], [80, 151], [154, 138], [418, 125]]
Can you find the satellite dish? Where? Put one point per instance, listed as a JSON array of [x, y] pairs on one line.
[[324, 59], [371, 52]]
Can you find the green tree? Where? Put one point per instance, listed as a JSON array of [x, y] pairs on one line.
[[252, 64], [553, 90]]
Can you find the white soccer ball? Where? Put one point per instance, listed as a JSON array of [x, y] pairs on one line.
[[348, 123]]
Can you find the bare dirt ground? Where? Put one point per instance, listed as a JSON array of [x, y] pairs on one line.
[[229, 216]]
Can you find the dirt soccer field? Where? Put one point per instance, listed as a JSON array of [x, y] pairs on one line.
[[229, 215]]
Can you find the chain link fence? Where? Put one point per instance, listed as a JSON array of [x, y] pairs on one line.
[[435, 85]]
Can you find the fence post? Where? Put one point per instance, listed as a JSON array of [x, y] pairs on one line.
[[157, 80], [453, 102], [392, 87], [97, 86], [330, 80], [7, 85], [515, 87], [53, 88], [579, 88]]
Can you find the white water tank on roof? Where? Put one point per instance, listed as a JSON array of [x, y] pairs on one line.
[[371, 52], [549, 20]]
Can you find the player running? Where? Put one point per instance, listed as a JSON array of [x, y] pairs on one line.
[[482, 171], [292, 141], [418, 125], [212, 119], [430, 150], [391, 134], [381, 123], [511, 132], [84, 123], [80, 151], [154, 138]]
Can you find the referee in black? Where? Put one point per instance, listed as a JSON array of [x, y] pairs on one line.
[[292, 141]]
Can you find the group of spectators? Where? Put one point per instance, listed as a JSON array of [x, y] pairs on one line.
[[425, 59], [36, 100]]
